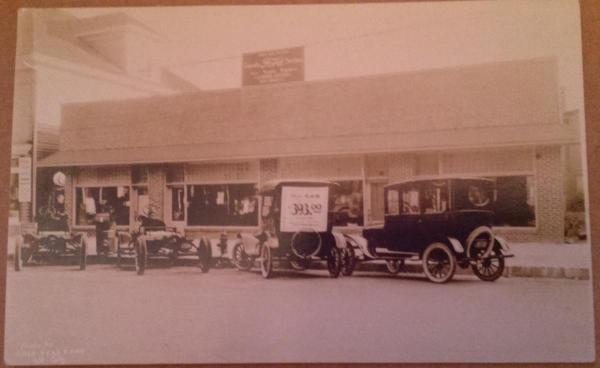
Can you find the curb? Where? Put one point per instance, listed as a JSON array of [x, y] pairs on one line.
[[571, 273]]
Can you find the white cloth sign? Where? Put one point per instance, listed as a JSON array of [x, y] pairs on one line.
[[304, 208]]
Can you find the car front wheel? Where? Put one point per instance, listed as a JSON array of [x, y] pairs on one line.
[[488, 269], [394, 266], [266, 262], [439, 263], [141, 257], [348, 261], [334, 262], [240, 258]]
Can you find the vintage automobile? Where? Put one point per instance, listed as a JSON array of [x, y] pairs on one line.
[[296, 229], [48, 246], [442, 221], [154, 239]]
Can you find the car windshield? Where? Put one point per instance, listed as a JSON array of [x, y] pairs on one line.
[[473, 194]]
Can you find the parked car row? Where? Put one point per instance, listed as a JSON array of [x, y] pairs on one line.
[[444, 223]]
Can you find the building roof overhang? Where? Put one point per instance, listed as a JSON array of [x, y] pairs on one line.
[[435, 140]]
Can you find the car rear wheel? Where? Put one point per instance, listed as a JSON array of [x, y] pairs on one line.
[[18, 255], [141, 257], [334, 262], [394, 266], [266, 262], [204, 256], [488, 269], [439, 263], [83, 255], [348, 261], [240, 259]]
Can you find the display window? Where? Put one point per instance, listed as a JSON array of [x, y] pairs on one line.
[[92, 200], [222, 205]]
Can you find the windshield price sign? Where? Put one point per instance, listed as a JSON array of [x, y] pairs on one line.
[[304, 208]]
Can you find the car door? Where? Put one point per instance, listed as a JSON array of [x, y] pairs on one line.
[[434, 202], [402, 225]]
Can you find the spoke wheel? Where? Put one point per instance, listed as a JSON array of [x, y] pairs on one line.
[[348, 260], [394, 266], [18, 255], [439, 263], [266, 261], [334, 262], [141, 257], [83, 254], [240, 258], [487, 269], [204, 256], [299, 264]]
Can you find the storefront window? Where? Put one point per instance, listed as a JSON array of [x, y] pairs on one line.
[[222, 205], [515, 203], [348, 203], [89, 201]]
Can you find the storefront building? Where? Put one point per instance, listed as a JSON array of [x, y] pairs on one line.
[[197, 159]]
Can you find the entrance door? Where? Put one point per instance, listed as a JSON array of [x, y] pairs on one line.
[[375, 212]]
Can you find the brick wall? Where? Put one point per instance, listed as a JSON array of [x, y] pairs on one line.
[[550, 180]]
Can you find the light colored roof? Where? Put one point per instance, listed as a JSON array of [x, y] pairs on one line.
[[417, 179], [312, 146]]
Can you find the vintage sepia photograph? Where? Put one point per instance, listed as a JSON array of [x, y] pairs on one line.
[[317, 183]]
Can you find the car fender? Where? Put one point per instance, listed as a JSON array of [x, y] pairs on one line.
[[249, 241], [475, 233], [362, 243], [340, 241], [456, 245], [503, 245]]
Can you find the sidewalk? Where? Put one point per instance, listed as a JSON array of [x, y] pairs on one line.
[[571, 261]]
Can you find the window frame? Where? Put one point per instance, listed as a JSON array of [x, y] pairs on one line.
[[212, 227], [74, 209]]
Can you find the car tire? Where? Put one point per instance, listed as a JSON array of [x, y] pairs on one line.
[[141, 257], [489, 269], [266, 261], [241, 261], [18, 255], [83, 254], [334, 262], [394, 266], [439, 263], [299, 264], [119, 256], [348, 261], [204, 256]]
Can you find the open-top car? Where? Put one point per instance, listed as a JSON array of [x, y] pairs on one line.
[[442, 221], [154, 239], [296, 229], [48, 245]]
